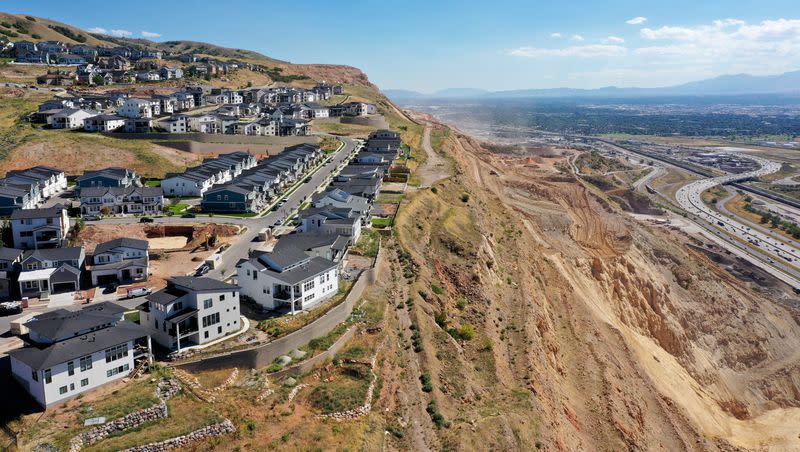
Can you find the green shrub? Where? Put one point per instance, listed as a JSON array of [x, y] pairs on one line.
[[465, 197], [425, 379], [250, 425], [436, 289]]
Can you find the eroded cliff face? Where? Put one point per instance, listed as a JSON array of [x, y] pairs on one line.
[[591, 331]]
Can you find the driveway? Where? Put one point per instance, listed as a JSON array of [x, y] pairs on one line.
[[61, 300]]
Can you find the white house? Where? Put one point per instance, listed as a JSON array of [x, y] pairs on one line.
[[40, 228], [103, 123], [77, 351], [336, 197], [139, 108], [191, 311], [49, 180], [288, 277], [331, 220], [120, 260], [70, 118]]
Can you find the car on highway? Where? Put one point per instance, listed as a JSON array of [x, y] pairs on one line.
[[146, 220]]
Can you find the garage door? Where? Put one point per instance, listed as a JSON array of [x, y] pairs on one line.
[[106, 279], [63, 287]]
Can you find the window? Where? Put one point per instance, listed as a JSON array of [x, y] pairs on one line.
[[115, 353], [156, 324], [219, 330], [308, 285], [111, 372], [48, 377], [71, 368], [205, 335], [72, 386], [86, 363], [62, 390], [85, 382], [222, 297], [211, 319], [34, 375], [207, 304]]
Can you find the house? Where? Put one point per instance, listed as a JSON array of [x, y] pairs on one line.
[[10, 259], [72, 352], [331, 220], [70, 59], [40, 228], [288, 276], [191, 311], [168, 72], [103, 123], [230, 197], [50, 180], [366, 187], [373, 158], [14, 196], [175, 124], [195, 181], [384, 141], [184, 101], [329, 246], [317, 111], [121, 260], [292, 127], [139, 108], [70, 118], [109, 177], [53, 270], [57, 78], [147, 76], [130, 200], [336, 197], [137, 125]]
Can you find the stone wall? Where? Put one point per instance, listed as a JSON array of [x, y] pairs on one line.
[[209, 431]]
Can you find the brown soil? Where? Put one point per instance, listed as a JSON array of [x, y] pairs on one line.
[[594, 332]]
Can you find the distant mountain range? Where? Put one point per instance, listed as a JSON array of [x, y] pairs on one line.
[[739, 84]]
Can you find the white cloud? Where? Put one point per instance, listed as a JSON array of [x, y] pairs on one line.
[[636, 20], [100, 30], [556, 35], [613, 40], [150, 34], [587, 51], [120, 33], [577, 38]]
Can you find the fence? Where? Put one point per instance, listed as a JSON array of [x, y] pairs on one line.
[[263, 355]]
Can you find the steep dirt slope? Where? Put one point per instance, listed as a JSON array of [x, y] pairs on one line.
[[591, 332]]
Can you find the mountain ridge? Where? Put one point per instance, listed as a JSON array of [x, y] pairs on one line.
[[731, 84]]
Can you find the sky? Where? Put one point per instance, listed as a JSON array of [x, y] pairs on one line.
[[495, 45]]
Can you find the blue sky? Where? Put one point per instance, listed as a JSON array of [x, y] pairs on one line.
[[496, 45]]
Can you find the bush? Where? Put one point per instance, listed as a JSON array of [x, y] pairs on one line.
[[250, 425], [436, 289], [467, 332], [434, 190], [36, 36], [425, 379], [31, 18], [465, 197], [441, 319], [274, 367]]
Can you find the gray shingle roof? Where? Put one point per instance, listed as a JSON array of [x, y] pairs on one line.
[[9, 254], [22, 214], [63, 323], [39, 358], [122, 242], [201, 284]]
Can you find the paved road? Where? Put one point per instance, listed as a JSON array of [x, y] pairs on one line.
[[320, 179], [769, 253]]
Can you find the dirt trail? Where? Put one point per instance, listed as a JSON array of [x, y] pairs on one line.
[[435, 167]]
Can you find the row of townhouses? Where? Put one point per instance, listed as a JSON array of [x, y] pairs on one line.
[[197, 180], [253, 189], [25, 189]]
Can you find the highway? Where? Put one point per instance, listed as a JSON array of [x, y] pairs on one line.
[[768, 250]]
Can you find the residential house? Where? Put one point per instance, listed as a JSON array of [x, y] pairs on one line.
[[70, 118], [292, 127], [331, 220], [317, 111], [288, 277], [195, 181], [109, 177], [169, 72], [329, 246], [40, 228], [48, 271], [104, 123], [17, 196], [140, 108], [73, 352], [191, 311], [336, 197], [137, 125], [10, 259], [57, 78], [130, 200], [51, 180], [121, 260]]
